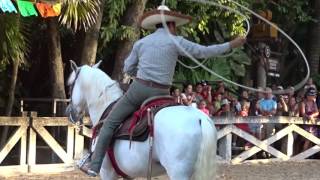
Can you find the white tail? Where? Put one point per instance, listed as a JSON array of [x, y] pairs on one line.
[[205, 167]]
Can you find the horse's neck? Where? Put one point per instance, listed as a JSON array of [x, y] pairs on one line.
[[98, 102]]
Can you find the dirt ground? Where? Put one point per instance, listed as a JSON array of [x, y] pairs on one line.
[[271, 171]]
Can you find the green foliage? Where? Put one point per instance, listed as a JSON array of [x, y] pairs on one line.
[[229, 67], [287, 13], [212, 25], [14, 44], [79, 14], [13, 48], [111, 27]]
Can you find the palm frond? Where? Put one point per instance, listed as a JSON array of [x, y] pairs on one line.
[[14, 40], [78, 14]]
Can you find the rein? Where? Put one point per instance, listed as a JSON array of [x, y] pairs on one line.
[[80, 124], [74, 82]]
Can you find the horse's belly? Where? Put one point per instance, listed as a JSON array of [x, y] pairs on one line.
[[134, 161]]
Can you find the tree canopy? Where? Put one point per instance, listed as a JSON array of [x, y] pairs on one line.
[[24, 39]]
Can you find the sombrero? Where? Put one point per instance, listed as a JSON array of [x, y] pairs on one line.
[[150, 19]]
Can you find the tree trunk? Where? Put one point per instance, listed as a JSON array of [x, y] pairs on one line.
[[314, 41], [57, 75], [261, 74], [131, 18], [10, 102], [55, 58], [90, 44]]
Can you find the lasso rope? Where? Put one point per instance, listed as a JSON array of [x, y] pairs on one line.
[[232, 51], [296, 87]]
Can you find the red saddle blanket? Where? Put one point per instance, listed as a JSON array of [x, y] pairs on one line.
[[135, 127]]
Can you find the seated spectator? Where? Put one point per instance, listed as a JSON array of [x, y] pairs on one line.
[[206, 92], [220, 87], [235, 105], [198, 93], [244, 113], [282, 103], [217, 102], [300, 96], [268, 107], [203, 107], [188, 96], [293, 107], [175, 92], [225, 109], [244, 96], [244, 99], [255, 128], [291, 92], [309, 111]]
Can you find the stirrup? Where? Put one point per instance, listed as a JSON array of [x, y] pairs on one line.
[[91, 173], [88, 171], [83, 165]]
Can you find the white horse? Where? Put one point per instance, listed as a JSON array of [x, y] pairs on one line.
[[184, 137]]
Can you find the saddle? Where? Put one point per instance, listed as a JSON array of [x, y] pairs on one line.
[[135, 127]]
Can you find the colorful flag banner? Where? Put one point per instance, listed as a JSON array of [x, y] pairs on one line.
[[26, 8], [46, 10], [57, 8], [7, 6]]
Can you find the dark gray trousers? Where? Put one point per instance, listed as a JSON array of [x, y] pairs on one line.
[[127, 105]]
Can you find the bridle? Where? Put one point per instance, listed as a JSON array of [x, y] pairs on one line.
[[73, 83], [71, 108]]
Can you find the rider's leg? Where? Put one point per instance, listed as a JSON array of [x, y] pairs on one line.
[[122, 109], [130, 102]]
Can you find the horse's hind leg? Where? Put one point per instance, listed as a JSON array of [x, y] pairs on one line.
[[179, 169], [178, 177]]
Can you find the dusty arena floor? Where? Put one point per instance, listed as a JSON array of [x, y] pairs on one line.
[[270, 171]]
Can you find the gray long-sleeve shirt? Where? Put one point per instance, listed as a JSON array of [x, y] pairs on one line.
[[154, 57]]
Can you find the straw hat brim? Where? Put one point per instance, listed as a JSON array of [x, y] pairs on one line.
[[150, 19]]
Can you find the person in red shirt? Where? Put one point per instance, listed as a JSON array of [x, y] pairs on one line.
[[245, 106], [198, 92]]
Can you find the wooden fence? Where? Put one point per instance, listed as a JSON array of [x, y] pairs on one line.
[[29, 129], [22, 124], [289, 125]]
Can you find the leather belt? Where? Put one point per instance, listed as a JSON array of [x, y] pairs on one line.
[[153, 84]]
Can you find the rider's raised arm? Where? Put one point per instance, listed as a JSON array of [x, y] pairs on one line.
[[201, 51], [130, 64]]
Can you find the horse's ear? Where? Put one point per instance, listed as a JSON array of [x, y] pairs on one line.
[[74, 66], [97, 65]]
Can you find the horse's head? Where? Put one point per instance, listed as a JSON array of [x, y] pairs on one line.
[[77, 107]]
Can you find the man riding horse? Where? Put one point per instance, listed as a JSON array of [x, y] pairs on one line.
[[152, 60]]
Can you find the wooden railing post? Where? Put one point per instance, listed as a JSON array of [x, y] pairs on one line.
[[70, 141], [290, 141], [23, 148], [225, 147], [32, 143]]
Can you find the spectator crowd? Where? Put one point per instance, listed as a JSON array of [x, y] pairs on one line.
[[219, 101]]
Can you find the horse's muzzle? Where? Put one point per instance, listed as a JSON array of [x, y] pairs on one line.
[[73, 115]]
